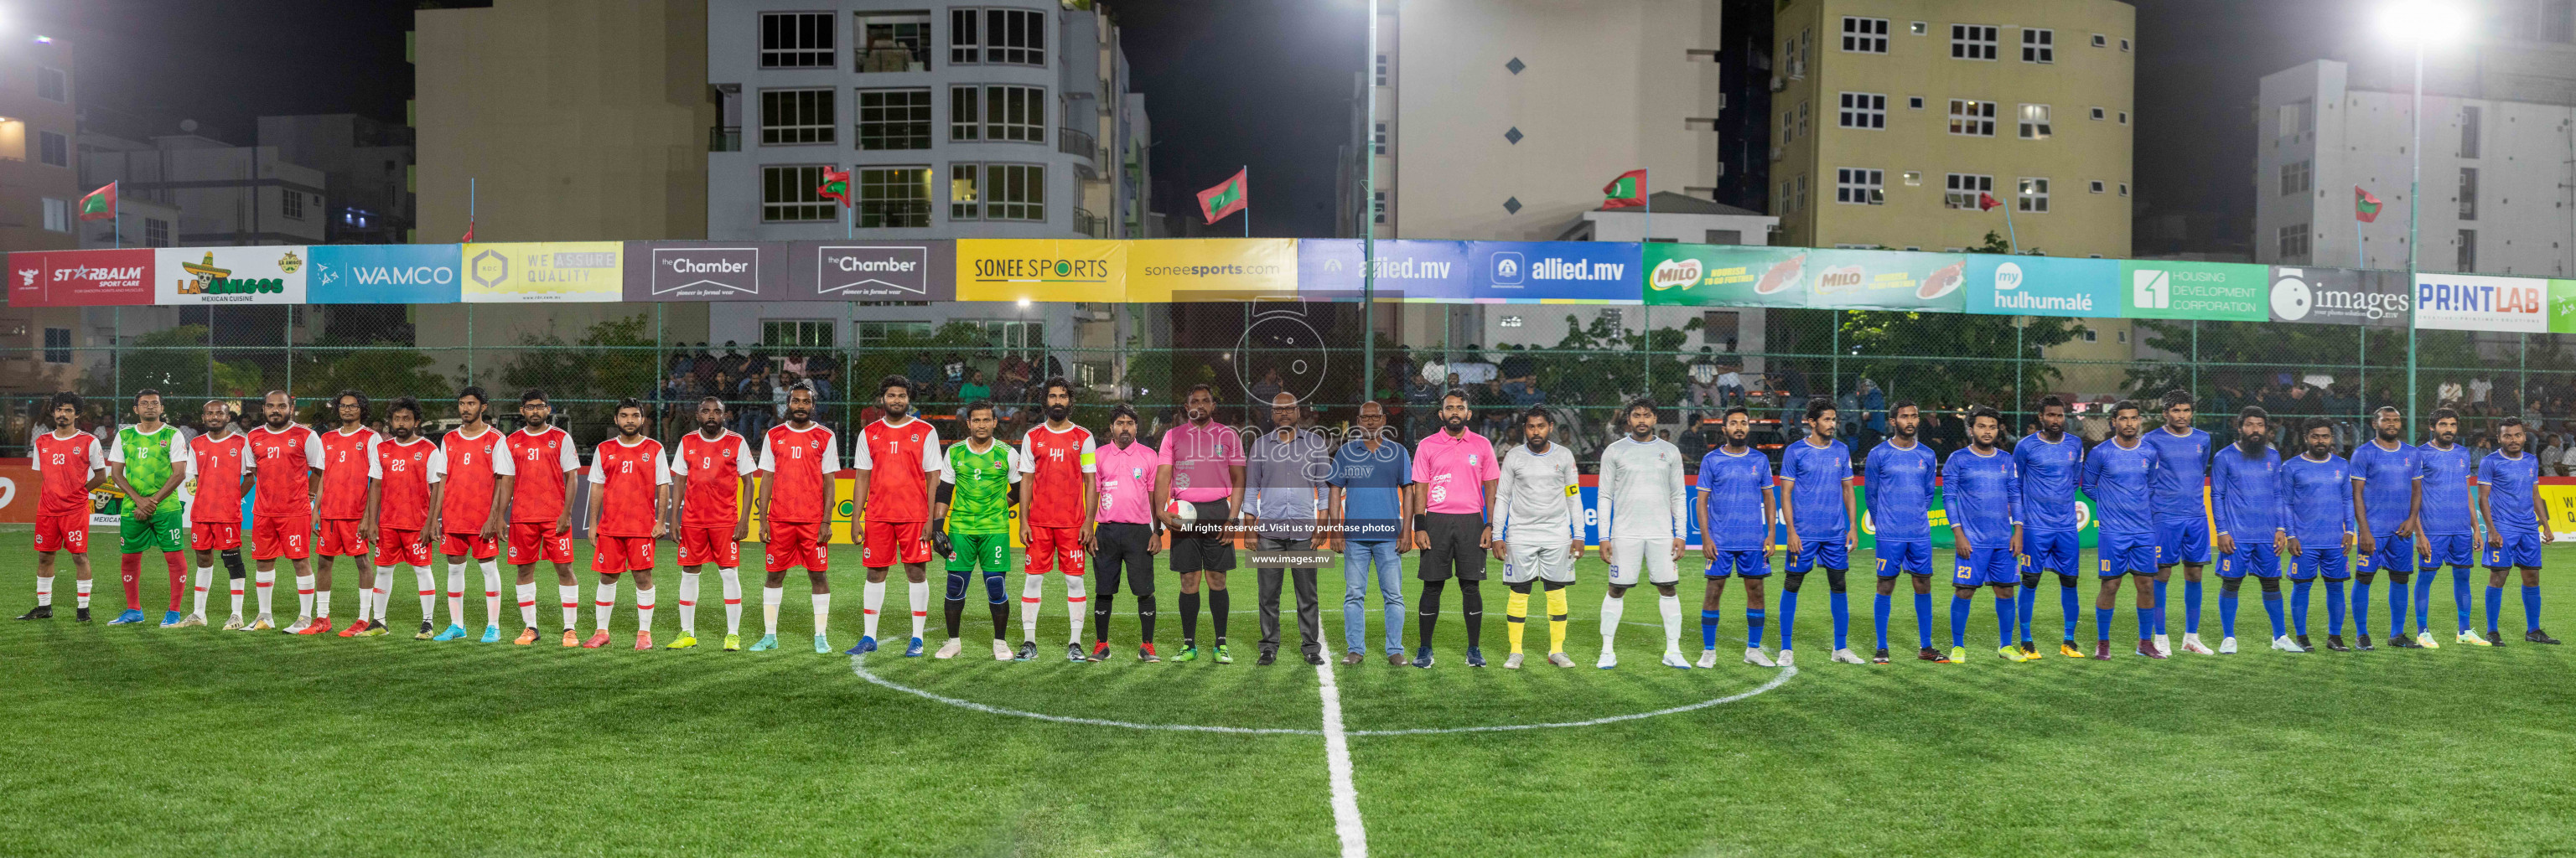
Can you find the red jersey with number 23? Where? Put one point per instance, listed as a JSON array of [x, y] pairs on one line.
[[800, 466], [714, 470], [626, 478], [346, 467], [67, 464], [899, 461], [285, 459], [474, 467]]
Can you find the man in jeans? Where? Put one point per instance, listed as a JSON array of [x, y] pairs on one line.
[[1284, 485], [1372, 516]]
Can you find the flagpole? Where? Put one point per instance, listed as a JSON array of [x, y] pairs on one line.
[[1245, 190], [2009, 232], [1368, 220], [1646, 189]]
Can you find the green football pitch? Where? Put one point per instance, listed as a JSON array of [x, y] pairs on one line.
[[145, 741]]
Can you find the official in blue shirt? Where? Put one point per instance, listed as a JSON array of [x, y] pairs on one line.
[[1899, 478], [1373, 512], [1982, 492], [2050, 463], [1816, 477], [2182, 523], [2508, 494], [2387, 494], [2316, 503], [2244, 495], [1735, 514], [2117, 474], [2448, 522]]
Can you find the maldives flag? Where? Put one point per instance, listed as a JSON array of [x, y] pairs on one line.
[[100, 204], [1230, 196], [1627, 191], [835, 186], [1986, 202], [2365, 208]]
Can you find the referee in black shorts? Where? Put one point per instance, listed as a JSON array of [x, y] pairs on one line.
[[1203, 464], [1453, 470], [1122, 539]]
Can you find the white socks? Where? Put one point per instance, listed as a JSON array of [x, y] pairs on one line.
[[570, 597], [732, 599], [205, 581], [1076, 603], [422, 575], [689, 603], [1612, 607], [45, 591], [605, 603], [1032, 587], [455, 592], [644, 609], [873, 600], [822, 612], [1671, 606], [263, 580], [527, 594], [80, 593], [237, 596], [919, 591], [381, 593], [322, 604], [769, 599], [492, 593], [304, 594]]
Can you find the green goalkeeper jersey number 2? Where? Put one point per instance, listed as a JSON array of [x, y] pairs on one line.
[[980, 503]]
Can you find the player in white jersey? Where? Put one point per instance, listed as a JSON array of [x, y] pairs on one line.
[[1641, 498], [1539, 517]]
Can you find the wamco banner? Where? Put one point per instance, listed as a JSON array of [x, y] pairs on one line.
[[385, 274]]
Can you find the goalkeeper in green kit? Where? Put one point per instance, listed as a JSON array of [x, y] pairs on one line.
[[149, 462], [976, 490]]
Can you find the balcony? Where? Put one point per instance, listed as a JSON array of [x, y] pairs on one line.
[[1090, 224], [1073, 142], [724, 138]]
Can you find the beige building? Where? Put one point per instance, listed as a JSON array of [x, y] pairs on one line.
[[1891, 117], [39, 183]]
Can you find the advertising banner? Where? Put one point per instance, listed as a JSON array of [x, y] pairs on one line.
[[2214, 291], [1010, 269], [872, 271], [1553, 272], [2469, 302], [80, 278], [1417, 271], [385, 274], [2042, 286], [544, 272], [1729, 275], [2562, 306], [2338, 296], [1211, 269], [705, 270], [260, 274]]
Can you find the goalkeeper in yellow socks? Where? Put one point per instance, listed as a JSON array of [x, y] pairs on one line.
[[1538, 521]]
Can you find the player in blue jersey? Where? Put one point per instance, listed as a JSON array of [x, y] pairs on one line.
[[1816, 477], [2182, 522], [1735, 514], [2245, 498], [1899, 478], [2118, 474], [1982, 492], [2507, 495], [2050, 463], [2316, 503], [2448, 524], [2387, 495]]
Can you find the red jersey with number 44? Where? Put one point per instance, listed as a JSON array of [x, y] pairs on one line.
[[405, 471], [800, 466], [474, 466], [542, 460], [899, 461], [285, 459], [626, 478], [1059, 465], [714, 470], [346, 468], [67, 464], [219, 466]]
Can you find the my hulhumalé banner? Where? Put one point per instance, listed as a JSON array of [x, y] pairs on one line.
[[1732, 275]]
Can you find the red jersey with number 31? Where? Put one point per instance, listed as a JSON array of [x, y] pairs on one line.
[[542, 460], [714, 470], [626, 478], [285, 460], [474, 467], [899, 461], [406, 471], [346, 468], [800, 466], [219, 466]]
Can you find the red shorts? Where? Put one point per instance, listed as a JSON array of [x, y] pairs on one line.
[[273, 536], [702, 545], [214, 535], [792, 544], [884, 543], [614, 554], [401, 547], [531, 541], [340, 538], [1055, 548], [457, 544], [68, 532]]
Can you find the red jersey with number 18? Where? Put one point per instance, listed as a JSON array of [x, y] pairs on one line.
[[407, 470], [285, 459], [626, 477], [898, 490], [346, 467], [475, 466], [800, 466], [714, 470]]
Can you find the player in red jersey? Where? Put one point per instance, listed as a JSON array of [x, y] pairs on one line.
[[72, 463], [713, 517], [349, 475], [631, 486], [795, 526], [894, 506], [285, 458], [398, 503], [220, 469], [540, 514], [1057, 456], [468, 515]]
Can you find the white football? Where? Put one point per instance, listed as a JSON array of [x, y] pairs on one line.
[[1185, 511]]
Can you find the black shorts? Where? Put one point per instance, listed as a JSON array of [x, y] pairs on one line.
[[1453, 551], [1120, 546], [1206, 550]]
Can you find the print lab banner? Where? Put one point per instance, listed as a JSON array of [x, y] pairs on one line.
[[2210, 291], [2469, 302], [1407, 270], [1730, 275], [1041, 270], [386, 274], [80, 278], [2043, 286], [544, 272], [263, 274], [2338, 296]]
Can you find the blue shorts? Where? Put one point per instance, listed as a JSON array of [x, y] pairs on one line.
[[2132, 554], [1828, 552], [2253, 557], [1748, 562], [2329, 562], [2455, 549], [2391, 553], [1904, 556], [1985, 566], [2183, 541], [2051, 552], [2518, 549]]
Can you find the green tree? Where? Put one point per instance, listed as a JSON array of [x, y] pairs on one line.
[[614, 359], [178, 362]]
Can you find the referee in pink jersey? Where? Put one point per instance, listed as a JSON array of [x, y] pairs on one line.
[[1454, 474]]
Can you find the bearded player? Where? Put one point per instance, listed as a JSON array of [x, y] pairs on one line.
[[896, 458], [718, 466], [468, 515], [71, 464], [801, 456], [398, 512], [148, 462], [285, 459], [2387, 496], [349, 474], [219, 461], [633, 483], [1057, 459], [543, 456]]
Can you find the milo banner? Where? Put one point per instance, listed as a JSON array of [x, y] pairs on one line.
[[1734, 275]]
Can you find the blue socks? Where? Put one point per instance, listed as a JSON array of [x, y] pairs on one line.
[[1923, 619], [2361, 611], [2028, 598], [2495, 605], [2272, 607], [2066, 604], [1878, 613], [2149, 620], [2334, 607], [1958, 621], [2299, 606], [2005, 614], [2460, 595], [2102, 624], [1708, 629], [2160, 610], [2530, 609], [1788, 617], [2191, 606], [2227, 613], [2397, 610], [1753, 628], [1842, 620]]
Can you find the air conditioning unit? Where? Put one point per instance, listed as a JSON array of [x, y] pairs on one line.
[[1778, 151], [1777, 84]]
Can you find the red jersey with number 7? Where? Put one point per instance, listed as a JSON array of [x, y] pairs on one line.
[[285, 459], [408, 469], [714, 470], [218, 469], [899, 459], [475, 465], [627, 477], [800, 466], [346, 468]]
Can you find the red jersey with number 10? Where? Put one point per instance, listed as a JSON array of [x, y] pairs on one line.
[[541, 460], [899, 461], [218, 469], [67, 464], [406, 470], [715, 470], [627, 477], [474, 467], [285, 460], [800, 466], [346, 468], [1059, 465]]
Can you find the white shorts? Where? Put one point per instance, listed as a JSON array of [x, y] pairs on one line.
[[1656, 555], [1524, 562]]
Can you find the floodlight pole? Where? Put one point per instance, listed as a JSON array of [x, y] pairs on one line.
[[1368, 213], [2414, 211]]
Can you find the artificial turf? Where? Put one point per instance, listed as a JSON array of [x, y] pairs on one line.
[[146, 741]]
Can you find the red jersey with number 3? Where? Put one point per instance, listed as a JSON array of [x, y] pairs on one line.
[[626, 478], [1059, 466], [899, 461], [285, 459], [800, 466], [474, 467], [67, 464], [346, 468], [405, 471], [714, 470], [219, 466], [544, 462]]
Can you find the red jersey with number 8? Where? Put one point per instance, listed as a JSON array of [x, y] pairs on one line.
[[626, 477], [714, 470], [800, 466], [475, 466], [346, 467]]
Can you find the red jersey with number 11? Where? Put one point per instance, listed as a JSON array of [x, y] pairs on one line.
[[800, 466], [714, 470], [899, 460]]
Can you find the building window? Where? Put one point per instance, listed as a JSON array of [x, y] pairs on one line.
[[1801, 193], [2033, 196], [1972, 118], [58, 215], [1381, 69], [2468, 260], [292, 204], [997, 113], [796, 40], [1802, 119], [1859, 186], [2294, 243], [1379, 141], [2099, 114], [1913, 178], [53, 149], [894, 196], [2038, 46], [793, 194], [58, 345], [810, 333], [2035, 123], [1972, 41], [2124, 117], [2101, 41], [1863, 110], [2094, 186], [1961, 190], [894, 119], [2124, 189], [795, 116], [2294, 178], [894, 43], [997, 192], [2468, 194], [1378, 203], [1785, 200], [2469, 115], [2124, 45], [51, 85], [156, 232], [1005, 36], [1914, 102], [872, 334], [1865, 35]]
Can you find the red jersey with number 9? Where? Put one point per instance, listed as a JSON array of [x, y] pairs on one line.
[[346, 467], [285, 459], [714, 470], [800, 466], [406, 469], [626, 477], [475, 466]]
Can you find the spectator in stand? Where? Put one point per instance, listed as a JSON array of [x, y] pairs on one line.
[[972, 389], [954, 370], [792, 363], [754, 392], [734, 362], [1730, 385], [2553, 452], [1703, 386]]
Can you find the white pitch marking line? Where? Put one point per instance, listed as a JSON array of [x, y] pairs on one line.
[[1776, 680], [1337, 761]]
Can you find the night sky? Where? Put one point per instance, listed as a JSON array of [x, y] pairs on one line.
[[1227, 83]]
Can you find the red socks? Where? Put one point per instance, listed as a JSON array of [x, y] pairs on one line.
[[178, 578], [130, 570]]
